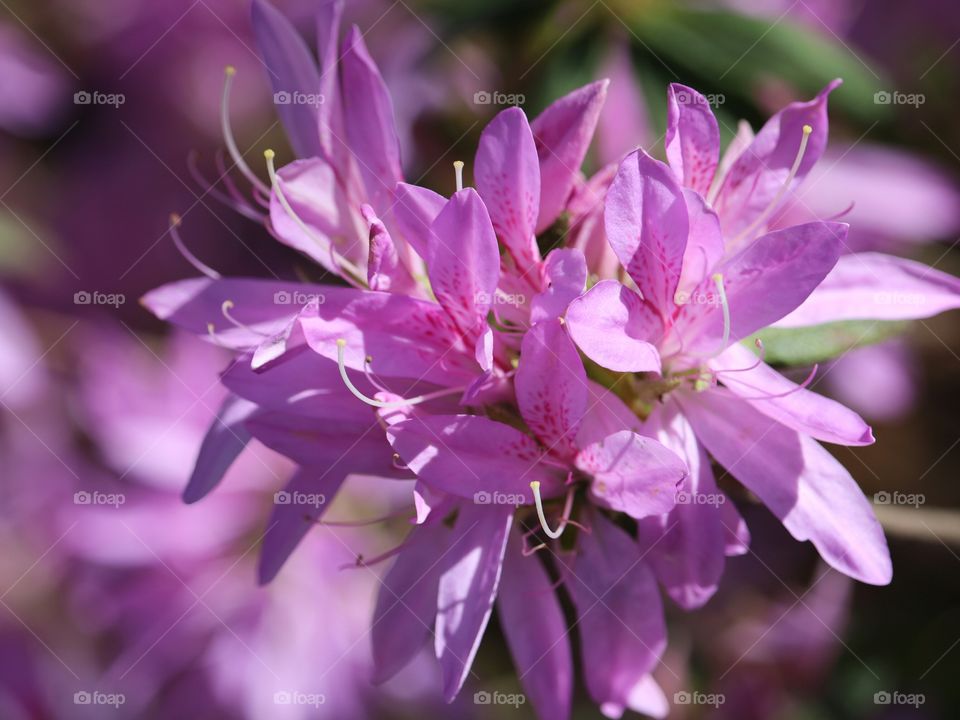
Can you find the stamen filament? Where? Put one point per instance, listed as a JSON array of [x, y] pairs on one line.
[[784, 189], [341, 347], [228, 132], [189, 256], [458, 169], [225, 309], [338, 260], [552, 534], [718, 281]]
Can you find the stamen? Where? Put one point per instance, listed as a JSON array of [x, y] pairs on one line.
[[339, 261], [801, 386], [189, 256], [225, 308], [718, 281], [458, 169], [763, 354], [234, 202], [228, 132], [364, 523], [564, 518], [784, 189], [341, 347]]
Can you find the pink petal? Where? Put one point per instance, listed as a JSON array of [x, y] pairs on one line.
[[801, 483], [407, 601], [369, 119], [565, 272], [452, 453], [536, 631], [797, 408], [615, 328], [647, 226], [464, 262], [622, 631], [290, 69], [686, 546], [632, 474], [562, 134], [468, 586], [507, 173], [763, 283], [874, 286], [551, 386], [759, 173], [693, 138]]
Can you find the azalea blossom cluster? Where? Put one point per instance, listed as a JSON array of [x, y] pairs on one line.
[[556, 362]]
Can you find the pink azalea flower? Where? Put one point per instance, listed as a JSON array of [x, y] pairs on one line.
[[690, 236]]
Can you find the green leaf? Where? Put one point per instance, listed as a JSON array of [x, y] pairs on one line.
[[740, 54], [809, 345]]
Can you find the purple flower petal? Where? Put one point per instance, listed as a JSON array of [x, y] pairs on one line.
[[468, 586], [291, 69], [693, 138], [507, 173], [797, 408], [562, 133], [615, 328], [874, 286], [551, 386], [536, 632], [647, 227], [622, 631], [802, 484]]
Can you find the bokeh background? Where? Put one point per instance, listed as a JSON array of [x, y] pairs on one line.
[[110, 122]]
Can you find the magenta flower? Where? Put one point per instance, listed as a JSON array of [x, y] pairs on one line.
[[690, 235]]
